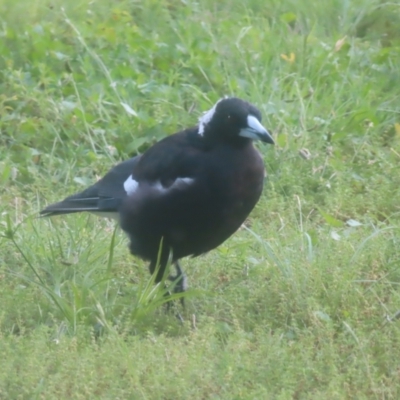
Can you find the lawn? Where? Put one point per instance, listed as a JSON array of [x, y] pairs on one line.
[[302, 302]]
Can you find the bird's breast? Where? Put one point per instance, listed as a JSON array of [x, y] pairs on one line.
[[239, 185]]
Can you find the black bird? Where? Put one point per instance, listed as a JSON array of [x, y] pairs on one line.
[[192, 190]]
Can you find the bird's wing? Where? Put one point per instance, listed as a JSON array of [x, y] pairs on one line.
[[164, 165], [172, 158], [105, 196]]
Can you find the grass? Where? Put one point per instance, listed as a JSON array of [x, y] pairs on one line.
[[300, 302]]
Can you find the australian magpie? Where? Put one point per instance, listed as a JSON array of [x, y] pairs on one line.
[[191, 191]]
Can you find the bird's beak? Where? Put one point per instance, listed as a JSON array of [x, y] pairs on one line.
[[254, 130]]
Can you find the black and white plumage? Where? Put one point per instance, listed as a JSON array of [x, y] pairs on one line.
[[192, 189]]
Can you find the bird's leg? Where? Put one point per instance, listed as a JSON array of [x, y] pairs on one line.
[[179, 287], [180, 278]]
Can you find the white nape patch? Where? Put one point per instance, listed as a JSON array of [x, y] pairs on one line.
[[130, 185], [207, 117], [178, 183]]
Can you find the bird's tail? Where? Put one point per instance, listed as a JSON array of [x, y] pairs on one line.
[[72, 204]]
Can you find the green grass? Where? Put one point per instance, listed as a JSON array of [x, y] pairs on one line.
[[297, 304]]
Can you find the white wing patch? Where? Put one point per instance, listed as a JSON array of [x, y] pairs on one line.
[[178, 183], [130, 185], [206, 118], [159, 186], [182, 181]]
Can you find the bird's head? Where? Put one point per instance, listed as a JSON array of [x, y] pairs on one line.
[[232, 118]]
